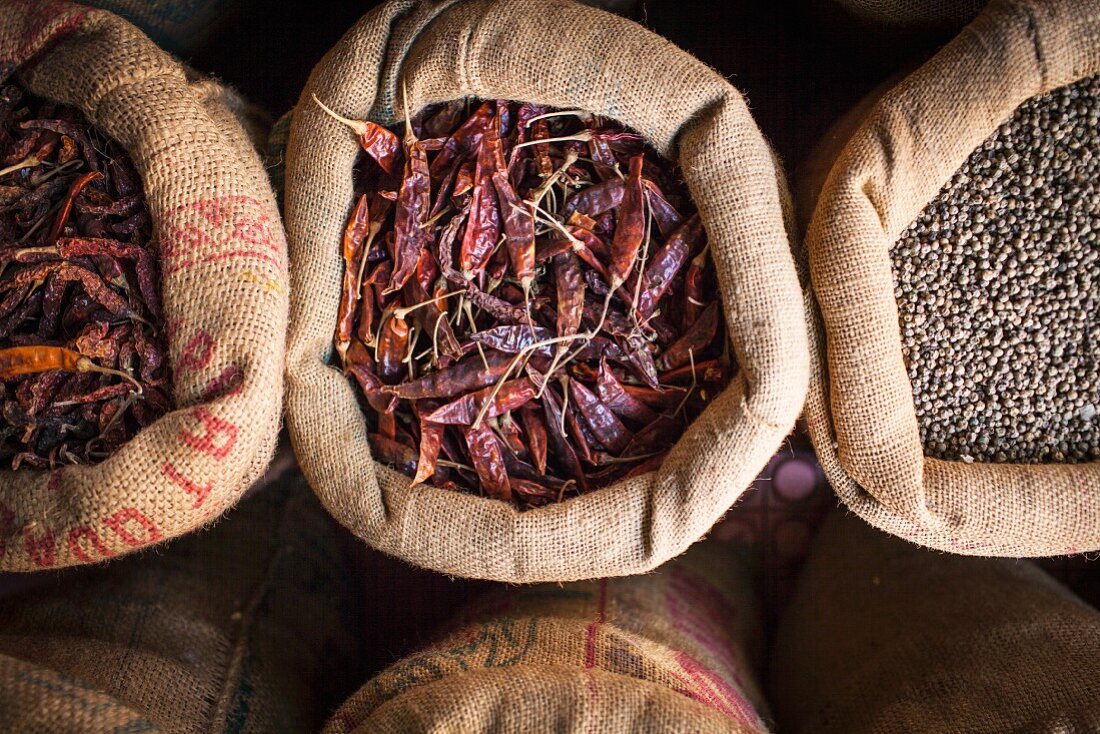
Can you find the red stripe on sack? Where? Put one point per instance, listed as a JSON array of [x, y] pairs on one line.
[[590, 638]]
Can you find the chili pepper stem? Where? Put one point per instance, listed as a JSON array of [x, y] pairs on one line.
[[582, 137], [496, 390], [358, 127], [694, 383], [540, 192], [28, 162], [406, 310], [560, 113], [41, 220], [86, 365], [453, 465]]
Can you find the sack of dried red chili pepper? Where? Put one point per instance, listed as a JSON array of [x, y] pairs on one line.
[[536, 322], [142, 292]]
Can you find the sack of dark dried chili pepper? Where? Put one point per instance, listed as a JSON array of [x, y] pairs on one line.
[[142, 292], [583, 349], [954, 264]]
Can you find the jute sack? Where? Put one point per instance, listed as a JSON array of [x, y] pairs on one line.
[[674, 650], [179, 26], [223, 274], [248, 627], [919, 14], [860, 409], [883, 636], [569, 56]]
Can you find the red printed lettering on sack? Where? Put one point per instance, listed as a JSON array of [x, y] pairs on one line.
[[41, 547], [123, 521], [215, 230], [197, 352], [199, 491], [85, 532], [229, 382], [217, 438]]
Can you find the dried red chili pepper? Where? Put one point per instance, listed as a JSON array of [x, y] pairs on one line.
[[665, 264], [694, 296], [483, 225], [616, 397], [535, 428], [354, 235], [606, 296], [488, 461], [693, 342], [378, 142], [413, 203], [630, 228], [600, 419], [486, 402]]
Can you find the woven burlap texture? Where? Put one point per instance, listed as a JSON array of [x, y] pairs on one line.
[[223, 273], [860, 408], [675, 650], [891, 13], [566, 55], [882, 636], [248, 627]]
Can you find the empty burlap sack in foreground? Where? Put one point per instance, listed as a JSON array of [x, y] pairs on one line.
[[908, 14], [179, 26], [569, 56], [223, 270], [247, 627], [674, 650], [883, 636], [861, 411]]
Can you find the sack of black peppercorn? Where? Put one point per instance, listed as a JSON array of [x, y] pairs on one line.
[[954, 276], [404, 56], [143, 389]]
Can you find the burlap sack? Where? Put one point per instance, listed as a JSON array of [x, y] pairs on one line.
[[567, 55], [674, 650], [920, 14], [223, 271], [886, 637], [248, 627], [179, 26], [860, 408]]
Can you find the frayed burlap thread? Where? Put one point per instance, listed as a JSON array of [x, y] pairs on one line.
[[565, 55]]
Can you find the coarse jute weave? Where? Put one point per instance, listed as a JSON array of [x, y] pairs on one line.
[[250, 626], [223, 274], [674, 650], [860, 408], [565, 55], [884, 637]]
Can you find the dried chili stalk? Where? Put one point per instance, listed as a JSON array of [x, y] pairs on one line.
[[83, 360], [536, 274]]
